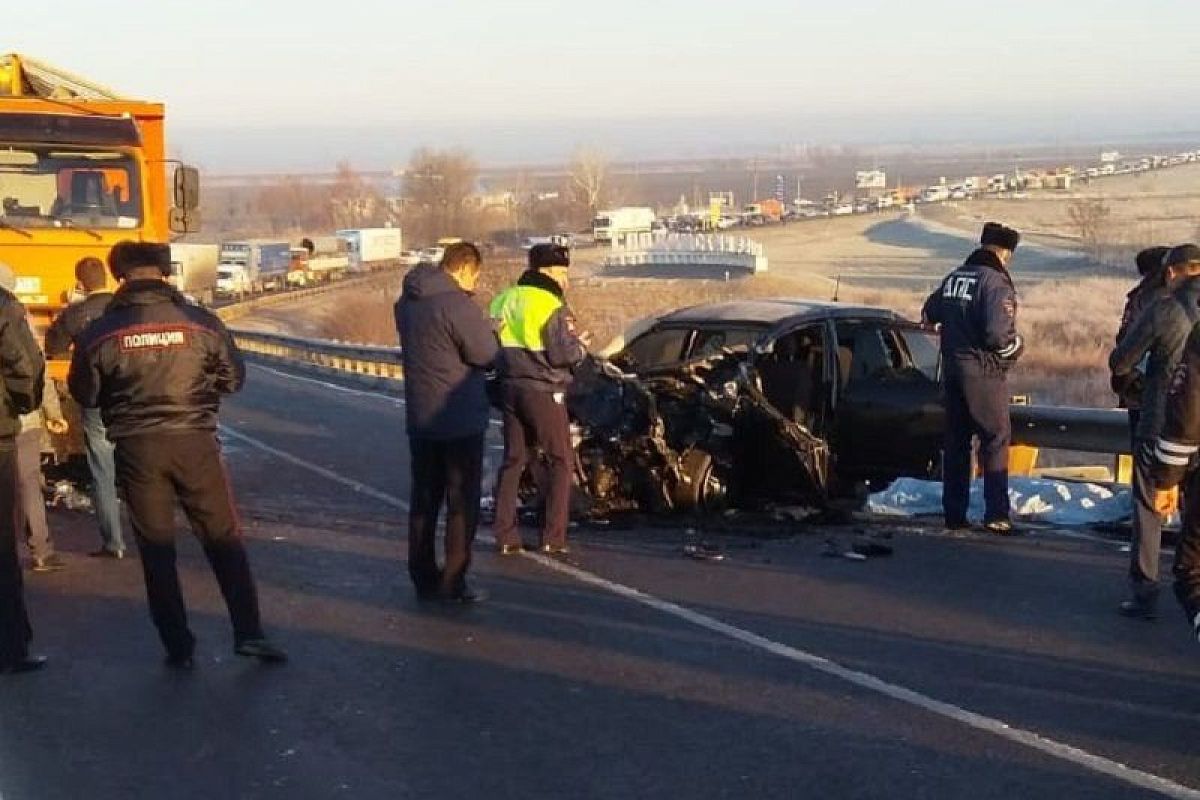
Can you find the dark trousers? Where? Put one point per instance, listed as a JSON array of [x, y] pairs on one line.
[[449, 471], [154, 473], [976, 407], [15, 632], [534, 419], [1147, 532], [1187, 551]]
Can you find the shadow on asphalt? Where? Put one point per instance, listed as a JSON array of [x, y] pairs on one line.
[[558, 675]]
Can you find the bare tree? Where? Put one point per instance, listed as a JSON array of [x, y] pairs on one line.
[[293, 205], [1088, 217], [438, 185], [354, 203], [589, 178]]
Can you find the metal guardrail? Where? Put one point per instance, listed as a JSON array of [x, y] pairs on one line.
[[1089, 430], [356, 359]]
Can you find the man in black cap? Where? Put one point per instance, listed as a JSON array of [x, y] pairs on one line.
[[1156, 337], [447, 343], [22, 371], [539, 348], [976, 309], [1173, 460], [156, 367]]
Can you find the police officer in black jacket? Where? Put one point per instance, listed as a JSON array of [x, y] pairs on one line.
[[21, 374], [1174, 458], [1156, 338], [976, 308], [156, 367]]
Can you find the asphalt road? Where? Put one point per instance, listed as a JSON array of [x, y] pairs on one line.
[[955, 668]]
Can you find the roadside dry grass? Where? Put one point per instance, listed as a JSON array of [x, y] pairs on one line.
[[1069, 326]]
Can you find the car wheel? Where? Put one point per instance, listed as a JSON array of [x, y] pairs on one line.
[[703, 488]]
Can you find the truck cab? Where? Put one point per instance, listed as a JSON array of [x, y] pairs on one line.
[[81, 169]]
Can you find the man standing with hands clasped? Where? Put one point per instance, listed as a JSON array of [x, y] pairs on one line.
[[446, 344]]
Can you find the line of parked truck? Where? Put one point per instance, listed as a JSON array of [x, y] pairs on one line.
[[246, 267]]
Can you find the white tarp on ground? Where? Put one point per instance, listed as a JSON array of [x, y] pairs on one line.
[[1033, 499]]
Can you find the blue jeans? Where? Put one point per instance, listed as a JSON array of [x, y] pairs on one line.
[[104, 477]]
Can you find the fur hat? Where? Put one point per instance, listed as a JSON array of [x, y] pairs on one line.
[[1150, 260], [999, 235], [1182, 254], [129, 255], [542, 256]]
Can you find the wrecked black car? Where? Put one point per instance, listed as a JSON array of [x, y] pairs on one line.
[[746, 404]]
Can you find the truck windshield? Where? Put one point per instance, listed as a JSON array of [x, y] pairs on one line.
[[58, 186]]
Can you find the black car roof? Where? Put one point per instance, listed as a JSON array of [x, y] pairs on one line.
[[770, 313]]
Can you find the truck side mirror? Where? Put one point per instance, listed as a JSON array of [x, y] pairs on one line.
[[181, 221], [187, 188]]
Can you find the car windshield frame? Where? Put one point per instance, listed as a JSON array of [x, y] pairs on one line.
[[690, 331]]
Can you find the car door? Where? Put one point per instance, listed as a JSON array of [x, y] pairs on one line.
[[888, 409]]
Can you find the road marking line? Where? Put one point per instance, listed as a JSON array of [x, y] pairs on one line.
[[863, 680], [400, 401], [360, 488], [327, 385]]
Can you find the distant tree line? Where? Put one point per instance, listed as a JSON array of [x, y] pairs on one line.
[[439, 195]]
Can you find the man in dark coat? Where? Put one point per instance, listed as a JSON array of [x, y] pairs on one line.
[[540, 347], [21, 374], [1151, 287], [157, 367], [1156, 337], [90, 279], [1174, 461], [447, 345], [976, 309]]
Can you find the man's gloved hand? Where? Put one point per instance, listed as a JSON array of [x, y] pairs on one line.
[[1166, 501]]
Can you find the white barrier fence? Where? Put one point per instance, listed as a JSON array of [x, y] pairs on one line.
[[721, 251]]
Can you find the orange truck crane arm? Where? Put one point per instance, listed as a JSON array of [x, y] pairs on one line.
[[81, 168]]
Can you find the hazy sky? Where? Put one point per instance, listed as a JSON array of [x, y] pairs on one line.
[[516, 80]]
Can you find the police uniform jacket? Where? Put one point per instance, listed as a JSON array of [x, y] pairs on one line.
[[154, 363], [1160, 332], [539, 345], [976, 307], [1176, 447]]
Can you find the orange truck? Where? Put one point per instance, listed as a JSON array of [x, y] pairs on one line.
[[81, 168], [770, 209]]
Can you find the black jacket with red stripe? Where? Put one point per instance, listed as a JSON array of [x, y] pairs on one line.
[[1179, 442], [155, 363]]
